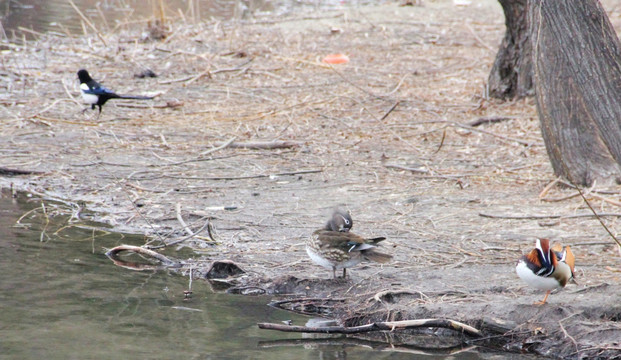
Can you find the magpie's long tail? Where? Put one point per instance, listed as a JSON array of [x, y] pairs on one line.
[[135, 97]]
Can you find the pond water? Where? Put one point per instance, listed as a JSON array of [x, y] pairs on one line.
[[60, 16], [62, 298]]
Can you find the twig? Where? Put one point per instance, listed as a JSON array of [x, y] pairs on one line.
[[536, 217], [605, 199], [13, 172], [219, 147], [209, 73], [562, 198], [547, 188], [392, 108], [90, 24], [200, 157], [192, 234], [488, 120], [69, 95], [380, 295], [560, 323], [46, 108], [377, 326], [441, 141], [113, 254], [598, 216], [468, 127], [181, 221], [263, 145], [245, 177], [407, 168], [479, 40]]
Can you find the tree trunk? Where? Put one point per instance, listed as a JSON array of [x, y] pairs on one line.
[[577, 75], [512, 75]]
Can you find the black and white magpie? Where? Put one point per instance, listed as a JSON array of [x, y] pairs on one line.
[[95, 94]]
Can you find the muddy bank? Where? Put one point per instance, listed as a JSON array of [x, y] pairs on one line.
[[386, 136]]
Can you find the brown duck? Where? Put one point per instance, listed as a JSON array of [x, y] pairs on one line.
[[334, 247]]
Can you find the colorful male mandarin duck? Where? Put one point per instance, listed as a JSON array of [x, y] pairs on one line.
[[334, 247], [546, 268]]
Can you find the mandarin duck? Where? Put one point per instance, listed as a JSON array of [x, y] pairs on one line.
[[334, 247], [546, 268]]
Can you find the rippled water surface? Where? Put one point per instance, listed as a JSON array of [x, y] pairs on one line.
[[62, 298], [61, 17]]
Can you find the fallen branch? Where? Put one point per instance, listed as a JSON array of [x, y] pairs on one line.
[[263, 145], [219, 147], [383, 294], [139, 250], [377, 326], [191, 235], [245, 177], [181, 221], [488, 120], [113, 254], [406, 168], [506, 138], [537, 217], [13, 172]]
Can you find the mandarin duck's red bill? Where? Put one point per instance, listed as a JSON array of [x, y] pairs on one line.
[[546, 268], [334, 247]]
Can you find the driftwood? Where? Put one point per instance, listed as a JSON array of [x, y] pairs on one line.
[[377, 326], [113, 254]]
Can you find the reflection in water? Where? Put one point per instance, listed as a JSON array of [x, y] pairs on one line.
[[60, 16], [62, 298]]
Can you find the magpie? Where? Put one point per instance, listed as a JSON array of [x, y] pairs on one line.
[[95, 94]]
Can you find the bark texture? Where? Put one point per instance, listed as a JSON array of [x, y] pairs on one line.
[[511, 75], [577, 73]]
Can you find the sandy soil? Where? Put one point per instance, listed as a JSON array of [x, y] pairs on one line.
[[385, 136]]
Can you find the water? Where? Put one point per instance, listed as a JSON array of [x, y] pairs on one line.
[[62, 298], [59, 16]]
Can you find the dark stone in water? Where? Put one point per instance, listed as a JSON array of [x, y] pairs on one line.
[[223, 269]]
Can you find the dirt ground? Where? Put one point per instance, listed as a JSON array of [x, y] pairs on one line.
[[390, 136]]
